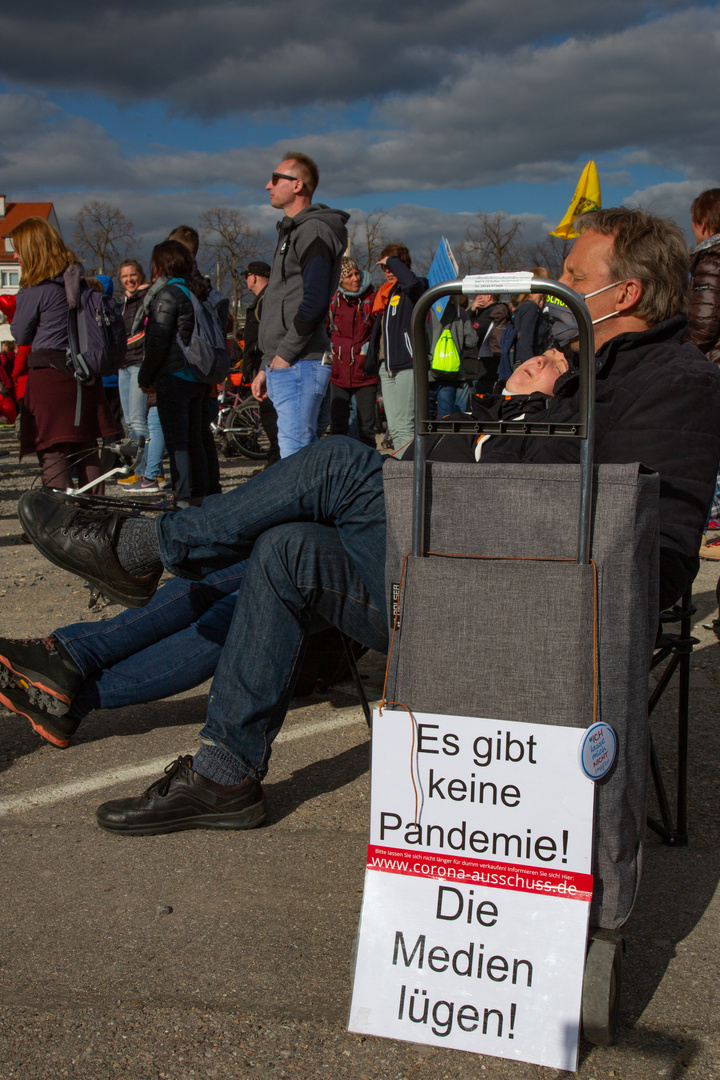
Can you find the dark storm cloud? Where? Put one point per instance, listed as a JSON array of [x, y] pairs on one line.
[[529, 116], [220, 58], [642, 92]]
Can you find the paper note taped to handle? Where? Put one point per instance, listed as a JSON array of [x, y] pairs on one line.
[[518, 281]]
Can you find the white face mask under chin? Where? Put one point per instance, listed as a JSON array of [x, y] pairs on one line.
[[587, 296]]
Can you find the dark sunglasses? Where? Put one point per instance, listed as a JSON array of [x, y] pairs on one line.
[[281, 176]]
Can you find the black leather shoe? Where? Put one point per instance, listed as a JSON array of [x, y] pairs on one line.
[[46, 713], [83, 541], [183, 799]]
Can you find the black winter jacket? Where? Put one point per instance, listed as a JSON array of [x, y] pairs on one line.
[[704, 318], [530, 330], [394, 324], [499, 315], [170, 314], [658, 403], [495, 406], [129, 309], [252, 355]]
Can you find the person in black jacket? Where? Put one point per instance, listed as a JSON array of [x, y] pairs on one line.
[[704, 323], [257, 276], [390, 347], [530, 327], [527, 393], [657, 398], [180, 395], [489, 316], [132, 400], [704, 315]]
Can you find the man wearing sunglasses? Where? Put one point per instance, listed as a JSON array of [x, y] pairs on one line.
[[293, 339]]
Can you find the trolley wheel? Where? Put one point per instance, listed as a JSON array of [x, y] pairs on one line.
[[244, 432], [601, 988]]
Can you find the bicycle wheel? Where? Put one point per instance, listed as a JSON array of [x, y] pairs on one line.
[[245, 433]]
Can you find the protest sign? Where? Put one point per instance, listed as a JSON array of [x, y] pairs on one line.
[[478, 887], [444, 267]]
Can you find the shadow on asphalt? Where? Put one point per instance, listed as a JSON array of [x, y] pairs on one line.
[[678, 882], [18, 738], [12, 540], [649, 1045], [318, 778]]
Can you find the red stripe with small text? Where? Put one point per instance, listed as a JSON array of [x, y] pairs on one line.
[[543, 880]]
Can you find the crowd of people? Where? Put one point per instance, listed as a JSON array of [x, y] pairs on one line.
[[325, 348], [301, 546]]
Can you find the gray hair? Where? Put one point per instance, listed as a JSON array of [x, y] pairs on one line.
[[649, 248]]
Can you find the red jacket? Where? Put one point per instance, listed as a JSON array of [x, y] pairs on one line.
[[20, 370], [8, 302], [350, 325]]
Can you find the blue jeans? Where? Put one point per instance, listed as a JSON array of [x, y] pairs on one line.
[[297, 393], [146, 654], [312, 530], [134, 407], [443, 395], [156, 447], [462, 398]]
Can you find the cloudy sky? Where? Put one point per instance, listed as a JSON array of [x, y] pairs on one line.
[[429, 111]]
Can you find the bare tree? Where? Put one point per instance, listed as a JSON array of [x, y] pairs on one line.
[[423, 262], [230, 243], [551, 253], [367, 238], [492, 244], [103, 234]]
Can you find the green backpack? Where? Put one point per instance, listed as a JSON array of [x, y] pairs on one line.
[[446, 358]]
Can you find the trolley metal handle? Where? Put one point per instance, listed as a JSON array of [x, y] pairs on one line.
[[584, 429]]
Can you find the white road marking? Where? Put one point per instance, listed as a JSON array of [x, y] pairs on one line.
[[51, 795]]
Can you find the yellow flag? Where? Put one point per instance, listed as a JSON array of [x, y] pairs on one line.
[[586, 197]]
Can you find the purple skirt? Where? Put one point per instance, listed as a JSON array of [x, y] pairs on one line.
[[48, 417]]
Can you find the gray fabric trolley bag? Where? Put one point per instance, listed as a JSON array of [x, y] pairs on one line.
[[535, 587]]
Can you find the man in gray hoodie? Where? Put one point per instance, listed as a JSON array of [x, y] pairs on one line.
[[297, 357]]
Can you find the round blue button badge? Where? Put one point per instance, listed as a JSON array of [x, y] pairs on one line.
[[597, 751]]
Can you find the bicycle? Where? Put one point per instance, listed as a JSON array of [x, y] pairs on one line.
[[129, 454], [237, 426], [244, 432]]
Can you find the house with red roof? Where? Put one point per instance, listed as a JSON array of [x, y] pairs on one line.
[[11, 214]]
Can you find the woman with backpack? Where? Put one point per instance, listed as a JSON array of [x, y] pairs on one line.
[[181, 396], [65, 444]]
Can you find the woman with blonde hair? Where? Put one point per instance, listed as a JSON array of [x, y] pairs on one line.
[[48, 269]]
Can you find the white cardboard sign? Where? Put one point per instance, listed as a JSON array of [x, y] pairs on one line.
[[477, 889], [516, 281]]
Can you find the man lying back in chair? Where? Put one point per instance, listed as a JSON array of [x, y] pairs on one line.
[[312, 528], [176, 643], [526, 393]]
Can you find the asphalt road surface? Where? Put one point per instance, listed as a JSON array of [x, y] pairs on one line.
[[204, 955]]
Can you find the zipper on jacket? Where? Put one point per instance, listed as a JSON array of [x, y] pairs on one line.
[[389, 309]]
